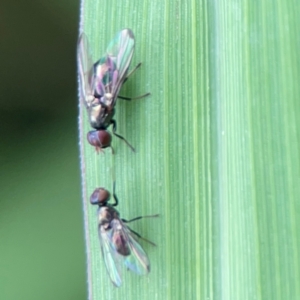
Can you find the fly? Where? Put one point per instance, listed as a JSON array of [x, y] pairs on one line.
[[118, 241], [100, 84]]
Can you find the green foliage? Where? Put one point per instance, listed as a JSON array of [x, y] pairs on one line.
[[217, 148]]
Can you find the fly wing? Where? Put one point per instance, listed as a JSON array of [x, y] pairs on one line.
[[111, 70], [110, 255], [138, 260], [121, 48], [118, 246], [85, 70]]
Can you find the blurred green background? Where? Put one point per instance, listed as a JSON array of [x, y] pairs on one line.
[[41, 225]]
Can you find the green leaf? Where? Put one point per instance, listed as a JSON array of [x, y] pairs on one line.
[[217, 148]]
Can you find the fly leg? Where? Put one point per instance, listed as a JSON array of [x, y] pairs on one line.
[[139, 218], [128, 75], [137, 234], [140, 237], [133, 98], [132, 71], [114, 123]]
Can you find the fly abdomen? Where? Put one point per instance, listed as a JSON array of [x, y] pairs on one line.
[[121, 243]]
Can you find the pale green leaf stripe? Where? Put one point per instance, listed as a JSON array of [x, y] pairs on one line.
[[218, 148]]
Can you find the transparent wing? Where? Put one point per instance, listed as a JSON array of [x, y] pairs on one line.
[[111, 70], [121, 48], [110, 255], [118, 240], [85, 70], [137, 261]]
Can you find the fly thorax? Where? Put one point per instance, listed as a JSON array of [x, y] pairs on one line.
[[96, 115], [105, 217], [107, 99], [115, 214], [89, 99]]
